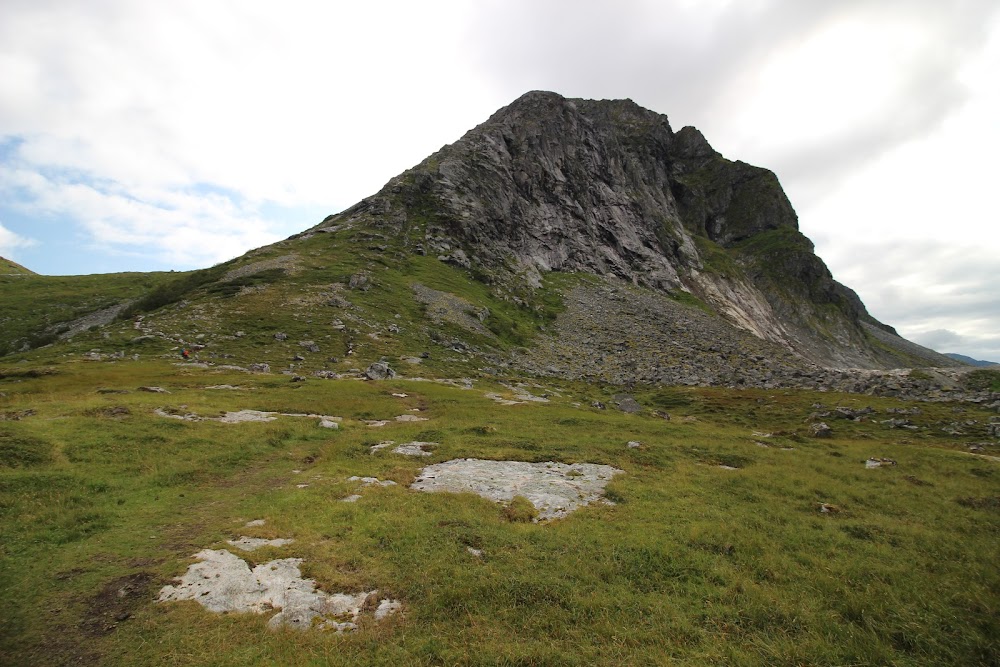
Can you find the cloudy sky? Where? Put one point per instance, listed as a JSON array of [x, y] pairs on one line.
[[141, 135]]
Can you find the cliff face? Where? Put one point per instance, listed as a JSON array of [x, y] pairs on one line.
[[608, 188]]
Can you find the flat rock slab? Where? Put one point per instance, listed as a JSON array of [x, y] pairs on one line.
[[247, 416], [555, 489], [241, 416], [222, 582], [415, 448], [501, 400], [254, 543], [369, 481]]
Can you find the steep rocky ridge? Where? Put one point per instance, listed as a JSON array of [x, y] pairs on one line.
[[608, 188]]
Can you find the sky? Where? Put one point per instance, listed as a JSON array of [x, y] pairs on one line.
[[144, 136]]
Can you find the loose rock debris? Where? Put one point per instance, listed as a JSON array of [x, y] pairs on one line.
[[222, 582], [555, 489], [878, 463]]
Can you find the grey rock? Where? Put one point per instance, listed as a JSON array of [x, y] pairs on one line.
[[821, 430], [380, 370], [627, 404], [360, 281]]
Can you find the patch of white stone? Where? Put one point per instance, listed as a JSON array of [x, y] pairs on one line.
[[371, 481], [555, 489], [241, 416], [501, 400], [522, 394], [415, 448], [223, 582]]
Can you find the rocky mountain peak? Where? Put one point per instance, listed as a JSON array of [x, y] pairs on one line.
[[608, 188]]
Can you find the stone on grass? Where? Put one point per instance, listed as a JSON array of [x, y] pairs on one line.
[[410, 418], [501, 400], [222, 582], [415, 448], [371, 481], [554, 489], [154, 390], [328, 423], [379, 371], [254, 543], [633, 444], [247, 416], [627, 404], [821, 430], [387, 607]]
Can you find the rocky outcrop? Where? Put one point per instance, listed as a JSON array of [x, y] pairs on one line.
[[608, 188]]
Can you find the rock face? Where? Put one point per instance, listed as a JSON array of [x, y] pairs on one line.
[[609, 188]]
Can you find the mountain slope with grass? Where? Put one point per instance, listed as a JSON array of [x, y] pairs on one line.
[[8, 267]]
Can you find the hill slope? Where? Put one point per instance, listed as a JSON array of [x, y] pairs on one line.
[[7, 267]]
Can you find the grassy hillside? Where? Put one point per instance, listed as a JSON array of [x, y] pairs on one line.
[[7, 267], [103, 501], [35, 309]]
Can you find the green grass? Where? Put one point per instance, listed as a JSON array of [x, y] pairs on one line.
[[32, 307], [693, 565]]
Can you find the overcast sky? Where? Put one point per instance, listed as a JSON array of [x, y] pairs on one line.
[[140, 135]]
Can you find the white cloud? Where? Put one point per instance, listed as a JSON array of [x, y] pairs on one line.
[[10, 242], [306, 103], [174, 228]]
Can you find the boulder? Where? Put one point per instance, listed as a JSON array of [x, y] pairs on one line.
[[380, 370]]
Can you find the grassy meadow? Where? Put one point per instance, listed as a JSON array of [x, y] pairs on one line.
[[103, 502]]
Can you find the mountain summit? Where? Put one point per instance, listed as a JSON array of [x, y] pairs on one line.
[[610, 189]]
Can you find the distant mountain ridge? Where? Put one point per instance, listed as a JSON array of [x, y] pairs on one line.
[[969, 360]]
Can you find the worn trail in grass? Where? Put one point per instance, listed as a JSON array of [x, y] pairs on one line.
[[716, 549]]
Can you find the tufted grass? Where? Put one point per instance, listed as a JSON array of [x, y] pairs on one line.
[[693, 564]]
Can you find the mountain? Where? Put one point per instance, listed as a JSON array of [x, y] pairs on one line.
[[969, 360], [608, 188], [567, 238]]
